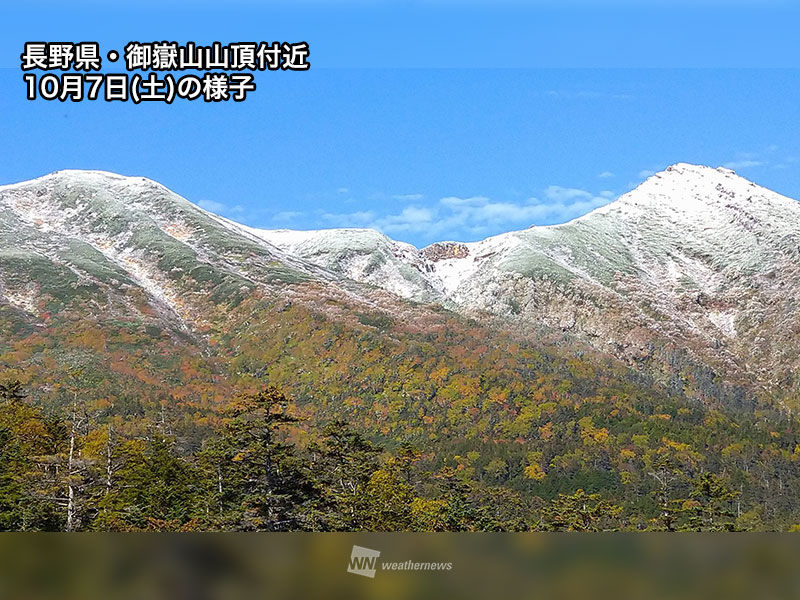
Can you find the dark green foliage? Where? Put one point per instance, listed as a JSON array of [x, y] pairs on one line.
[[581, 512], [566, 453], [710, 505], [261, 483], [154, 489], [25, 436], [344, 462], [378, 321]]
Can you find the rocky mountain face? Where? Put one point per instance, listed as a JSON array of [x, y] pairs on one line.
[[695, 257], [122, 247], [658, 330], [696, 264], [363, 255]]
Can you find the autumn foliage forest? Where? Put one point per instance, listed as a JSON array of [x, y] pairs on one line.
[[280, 417]]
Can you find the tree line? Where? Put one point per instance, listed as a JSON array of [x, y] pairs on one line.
[[70, 471]]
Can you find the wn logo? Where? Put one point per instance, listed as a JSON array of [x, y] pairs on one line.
[[363, 561]]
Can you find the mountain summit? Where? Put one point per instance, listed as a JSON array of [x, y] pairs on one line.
[[696, 264], [696, 259]]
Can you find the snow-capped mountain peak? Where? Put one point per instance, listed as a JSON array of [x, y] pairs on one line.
[[694, 256]]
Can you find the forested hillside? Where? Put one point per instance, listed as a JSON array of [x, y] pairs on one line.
[[166, 369], [296, 421]]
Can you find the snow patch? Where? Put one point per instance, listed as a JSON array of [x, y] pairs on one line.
[[724, 321], [24, 299]]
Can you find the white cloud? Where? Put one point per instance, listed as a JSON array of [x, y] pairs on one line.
[[355, 219], [588, 95], [411, 218], [743, 164], [343, 190], [645, 173], [606, 175], [556, 192], [456, 217], [408, 197], [213, 206], [787, 163], [286, 216], [456, 203]]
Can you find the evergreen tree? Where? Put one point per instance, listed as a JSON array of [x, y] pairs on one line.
[[260, 481], [581, 512], [153, 490], [710, 505], [344, 462]]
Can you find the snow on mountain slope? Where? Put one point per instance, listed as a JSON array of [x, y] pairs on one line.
[[104, 236], [668, 229], [695, 256], [688, 222], [363, 255]]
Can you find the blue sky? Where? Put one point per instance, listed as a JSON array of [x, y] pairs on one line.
[[429, 121]]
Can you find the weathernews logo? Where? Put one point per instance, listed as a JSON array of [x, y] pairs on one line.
[[364, 561]]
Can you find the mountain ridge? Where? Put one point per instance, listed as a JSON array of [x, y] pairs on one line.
[[543, 361], [695, 258]]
